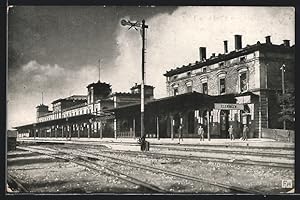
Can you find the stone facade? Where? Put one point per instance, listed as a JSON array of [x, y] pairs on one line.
[[259, 65]]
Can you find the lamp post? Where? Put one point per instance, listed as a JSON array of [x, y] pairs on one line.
[[283, 91], [143, 26]]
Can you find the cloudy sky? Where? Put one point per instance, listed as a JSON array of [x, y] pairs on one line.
[[55, 50]]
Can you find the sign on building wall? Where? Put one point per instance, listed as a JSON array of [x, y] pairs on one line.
[[229, 106]]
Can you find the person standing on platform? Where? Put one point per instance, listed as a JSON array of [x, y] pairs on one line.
[[230, 131], [201, 133], [180, 133], [245, 132]]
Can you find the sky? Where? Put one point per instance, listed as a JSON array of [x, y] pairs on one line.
[[55, 49]]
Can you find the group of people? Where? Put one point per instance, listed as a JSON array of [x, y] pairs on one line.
[[245, 132], [231, 132]]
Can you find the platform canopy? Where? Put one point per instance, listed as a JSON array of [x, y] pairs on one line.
[[192, 100], [61, 121]]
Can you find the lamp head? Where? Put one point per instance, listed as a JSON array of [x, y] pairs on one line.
[[124, 22]]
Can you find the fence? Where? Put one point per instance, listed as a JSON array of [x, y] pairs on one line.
[[279, 134]]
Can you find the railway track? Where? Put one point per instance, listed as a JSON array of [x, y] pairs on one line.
[[203, 158], [256, 152], [251, 153], [97, 167], [14, 183], [92, 157], [210, 158]]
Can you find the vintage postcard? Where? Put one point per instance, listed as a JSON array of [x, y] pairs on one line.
[[150, 100]]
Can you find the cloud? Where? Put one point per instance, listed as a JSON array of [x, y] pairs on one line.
[[26, 86], [173, 39]]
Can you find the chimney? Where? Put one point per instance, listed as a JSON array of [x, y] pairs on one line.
[[268, 40], [213, 55], [286, 43], [202, 51], [238, 42], [225, 46]]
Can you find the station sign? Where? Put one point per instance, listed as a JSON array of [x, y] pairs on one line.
[[229, 106]]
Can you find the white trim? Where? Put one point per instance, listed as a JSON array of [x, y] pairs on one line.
[[221, 74], [203, 79], [175, 85], [189, 83]]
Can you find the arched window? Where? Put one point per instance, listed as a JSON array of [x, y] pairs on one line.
[[222, 83], [189, 86], [203, 80], [243, 79], [175, 89]]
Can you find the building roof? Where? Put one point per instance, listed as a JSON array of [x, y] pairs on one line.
[[233, 54], [139, 86], [77, 97], [181, 101], [98, 83], [71, 98], [75, 106], [42, 105]]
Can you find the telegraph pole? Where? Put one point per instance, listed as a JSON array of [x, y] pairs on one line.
[[143, 80], [143, 27], [283, 91]]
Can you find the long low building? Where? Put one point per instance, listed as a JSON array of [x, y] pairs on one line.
[[237, 88]]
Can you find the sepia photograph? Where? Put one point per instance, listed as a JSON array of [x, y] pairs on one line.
[[150, 100]]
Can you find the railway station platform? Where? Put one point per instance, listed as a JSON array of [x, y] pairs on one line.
[[253, 142]]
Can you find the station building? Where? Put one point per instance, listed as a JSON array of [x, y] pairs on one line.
[[83, 115], [233, 88], [252, 74]]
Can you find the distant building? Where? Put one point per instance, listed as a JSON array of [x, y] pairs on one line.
[[83, 115]]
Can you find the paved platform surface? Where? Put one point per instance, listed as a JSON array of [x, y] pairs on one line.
[[254, 142]]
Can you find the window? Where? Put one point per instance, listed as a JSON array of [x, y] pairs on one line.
[[222, 85], [204, 69], [175, 91], [204, 88], [189, 86], [221, 64], [243, 82]]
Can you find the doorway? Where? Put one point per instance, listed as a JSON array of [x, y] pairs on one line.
[[224, 123]]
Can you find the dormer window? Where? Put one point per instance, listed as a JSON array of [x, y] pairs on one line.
[[204, 69], [174, 77], [188, 73]]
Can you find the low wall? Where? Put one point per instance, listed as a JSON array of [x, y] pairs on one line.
[[279, 134]]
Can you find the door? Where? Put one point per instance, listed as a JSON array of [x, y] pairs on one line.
[[224, 123]]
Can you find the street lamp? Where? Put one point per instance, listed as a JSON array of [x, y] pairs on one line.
[[143, 26], [282, 68]]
